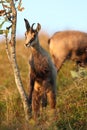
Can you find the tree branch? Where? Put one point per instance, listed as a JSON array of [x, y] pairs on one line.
[[10, 13], [14, 62]]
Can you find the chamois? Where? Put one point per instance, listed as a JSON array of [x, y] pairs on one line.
[[42, 72], [68, 45]]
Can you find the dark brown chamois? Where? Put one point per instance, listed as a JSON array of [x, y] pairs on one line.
[[42, 72], [68, 44]]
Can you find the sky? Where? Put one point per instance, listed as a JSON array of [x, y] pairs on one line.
[[53, 15]]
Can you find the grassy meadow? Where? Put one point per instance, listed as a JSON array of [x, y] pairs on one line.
[[71, 108]]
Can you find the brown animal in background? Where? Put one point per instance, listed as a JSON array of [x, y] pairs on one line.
[[42, 72], [68, 45]]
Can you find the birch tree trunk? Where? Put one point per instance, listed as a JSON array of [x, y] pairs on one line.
[[14, 61]]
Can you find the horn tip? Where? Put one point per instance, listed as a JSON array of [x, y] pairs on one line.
[[24, 19]]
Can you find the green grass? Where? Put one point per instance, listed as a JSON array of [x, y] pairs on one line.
[[71, 108]]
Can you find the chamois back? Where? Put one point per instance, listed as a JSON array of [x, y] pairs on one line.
[[68, 44]]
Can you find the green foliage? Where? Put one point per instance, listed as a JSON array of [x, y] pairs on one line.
[[1, 31], [81, 73]]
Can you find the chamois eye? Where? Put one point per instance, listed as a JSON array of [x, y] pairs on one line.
[[35, 34], [25, 36]]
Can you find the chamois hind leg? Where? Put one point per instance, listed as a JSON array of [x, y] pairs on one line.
[[52, 102], [58, 62], [51, 99], [44, 100], [36, 97]]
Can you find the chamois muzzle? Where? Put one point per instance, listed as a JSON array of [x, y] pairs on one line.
[[30, 43]]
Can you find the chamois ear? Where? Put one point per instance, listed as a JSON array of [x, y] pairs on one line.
[[27, 25], [38, 27]]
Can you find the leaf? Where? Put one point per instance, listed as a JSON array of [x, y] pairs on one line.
[[74, 74], [6, 6], [81, 73], [2, 24], [21, 9], [19, 6], [4, 32], [7, 0], [2, 1], [2, 12], [1, 31]]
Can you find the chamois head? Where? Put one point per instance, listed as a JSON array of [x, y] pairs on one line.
[[31, 34]]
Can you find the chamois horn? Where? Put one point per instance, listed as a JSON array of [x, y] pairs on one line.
[[32, 26]]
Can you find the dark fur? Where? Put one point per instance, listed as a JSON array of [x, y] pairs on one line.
[[42, 75], [42, 80]]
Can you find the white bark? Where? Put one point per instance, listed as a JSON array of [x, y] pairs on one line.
[[14, 62]]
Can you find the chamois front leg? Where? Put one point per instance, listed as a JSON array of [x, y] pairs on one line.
[[31, 88], [44, 100], [52, 99], [36, 98], [52, 102], [31, 84]]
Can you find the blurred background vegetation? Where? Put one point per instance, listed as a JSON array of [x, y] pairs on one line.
[[71, 95]]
